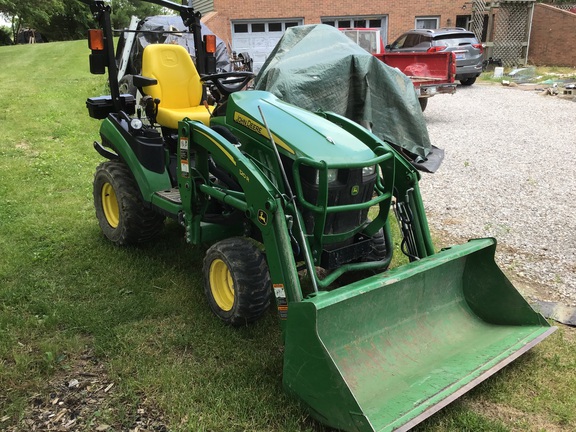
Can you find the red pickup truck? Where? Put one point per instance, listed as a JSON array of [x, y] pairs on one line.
[[430, 72]]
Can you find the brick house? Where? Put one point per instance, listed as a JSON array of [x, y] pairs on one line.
[[255, 26], [553, 36]]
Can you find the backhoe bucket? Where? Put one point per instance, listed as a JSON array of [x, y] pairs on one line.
[[385, 353]]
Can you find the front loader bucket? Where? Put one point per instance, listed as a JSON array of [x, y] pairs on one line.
[[387, 352]]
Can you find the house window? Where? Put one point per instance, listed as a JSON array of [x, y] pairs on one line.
[[240, 28], [263, 27], [258, 28], [356, 22], [275, 27], [427, 22], [377, 22]]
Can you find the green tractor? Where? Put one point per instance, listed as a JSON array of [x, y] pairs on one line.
[[296, 208]]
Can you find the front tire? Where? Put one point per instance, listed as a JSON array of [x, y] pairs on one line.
[[236, 281], [120, 211]]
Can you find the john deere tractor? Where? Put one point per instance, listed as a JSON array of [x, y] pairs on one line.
[[296, 205]]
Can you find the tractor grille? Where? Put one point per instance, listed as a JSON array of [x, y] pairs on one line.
[[349, 188]]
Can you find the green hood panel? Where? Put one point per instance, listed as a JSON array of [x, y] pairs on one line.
[[296, 131]]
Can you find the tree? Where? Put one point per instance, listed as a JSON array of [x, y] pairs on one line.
[[5, 34], [122, 11], [29, 13], [70, 24], [68, 19]]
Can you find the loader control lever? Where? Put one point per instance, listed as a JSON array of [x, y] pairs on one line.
[[150, 106]]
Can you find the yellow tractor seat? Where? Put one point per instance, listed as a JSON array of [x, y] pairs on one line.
[[179, 87]]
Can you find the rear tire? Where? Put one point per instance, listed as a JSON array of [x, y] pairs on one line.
[[120, 211], [468, 81], [236, 281], [126, 85]]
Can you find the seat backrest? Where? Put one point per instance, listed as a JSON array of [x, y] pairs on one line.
[[179, 83]]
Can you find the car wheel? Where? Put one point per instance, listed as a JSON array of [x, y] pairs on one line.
[[468, 81]]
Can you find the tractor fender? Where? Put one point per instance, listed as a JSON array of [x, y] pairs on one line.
[[148, 181]]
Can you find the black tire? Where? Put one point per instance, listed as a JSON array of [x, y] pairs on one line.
[[236, 281], [468, 81], [378, 252], [120, 211], [126, 85], [423, 103]]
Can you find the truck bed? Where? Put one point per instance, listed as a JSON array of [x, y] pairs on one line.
[[427, 68]]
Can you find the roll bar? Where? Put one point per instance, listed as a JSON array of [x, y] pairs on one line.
[[101, 12]]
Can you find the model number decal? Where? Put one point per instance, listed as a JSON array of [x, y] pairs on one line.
[[244, 175]]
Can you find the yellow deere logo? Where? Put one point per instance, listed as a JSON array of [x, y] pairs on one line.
[[262, 217], [354, 191]]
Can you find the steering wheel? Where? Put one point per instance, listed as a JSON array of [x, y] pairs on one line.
[[228, 82]]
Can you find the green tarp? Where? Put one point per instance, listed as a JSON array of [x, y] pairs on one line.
[[317, 67]]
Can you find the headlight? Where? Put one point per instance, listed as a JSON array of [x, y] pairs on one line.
[[136, 124], [368, 171], [332, 176]]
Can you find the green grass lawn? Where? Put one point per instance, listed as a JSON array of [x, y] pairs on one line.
[[135, 321]]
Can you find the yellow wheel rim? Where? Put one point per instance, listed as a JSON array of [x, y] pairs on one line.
[[110, 205], [221, 285]]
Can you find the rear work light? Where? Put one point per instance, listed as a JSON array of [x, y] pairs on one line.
[[437, 48], [210, 43], [98, 57], [479, 47], [96, 39]]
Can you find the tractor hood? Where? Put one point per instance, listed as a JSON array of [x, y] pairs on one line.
[[316, 67], [296, 132]]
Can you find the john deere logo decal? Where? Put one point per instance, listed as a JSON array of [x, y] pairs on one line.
[[354, 191], [262, 217], [260, 130]]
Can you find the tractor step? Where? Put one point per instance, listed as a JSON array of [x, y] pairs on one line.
[[172, 195]]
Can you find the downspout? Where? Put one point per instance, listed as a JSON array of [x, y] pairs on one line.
[[529, 33]]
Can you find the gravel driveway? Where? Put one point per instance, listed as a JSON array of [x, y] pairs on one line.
[[508, 173]]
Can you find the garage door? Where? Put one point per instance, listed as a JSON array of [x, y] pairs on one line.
[[258, 38]]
